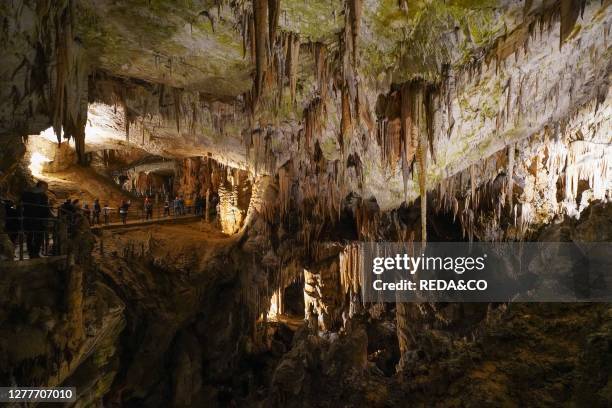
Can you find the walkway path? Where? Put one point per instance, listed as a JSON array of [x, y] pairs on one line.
[[140, 222]]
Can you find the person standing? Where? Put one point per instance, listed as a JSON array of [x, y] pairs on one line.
[[11, 225], [148, 204], [106, 211], [96, 212], [87, 212], [67, 210], [199, 205], [123, 211], [177, 206], [35, 214], [166, 208]]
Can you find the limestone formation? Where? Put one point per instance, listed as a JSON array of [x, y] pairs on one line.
[[259, 148]]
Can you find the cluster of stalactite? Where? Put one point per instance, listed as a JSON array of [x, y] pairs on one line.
[[327, 296], [71, 85], [332, 285], [206, 178], [145, 184], [406, 137], [273, 52], [405, 134], [538, 21], [199, 176], [56, 81], [260, 150], [148, 107], [485, 198], [470, 199], [308, 182], [556, 171], [351, 270]]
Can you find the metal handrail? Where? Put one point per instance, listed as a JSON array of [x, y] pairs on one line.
[[59, 215]]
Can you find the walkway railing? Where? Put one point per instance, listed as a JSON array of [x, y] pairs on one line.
[[113, 215], [47, 235], [40, 235]]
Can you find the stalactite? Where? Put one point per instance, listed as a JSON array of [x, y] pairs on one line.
[[350, 269], [284, 187], [346, 126], [319, 51], [63, 47], [252, 37], [313, 116], [262, 31], [355, 7], [570, 10], [410, 137], [281, 52], [421, 156], [510, 175], [177, 108], [293, 51], [473, 202], [429, 119], [273, 15]]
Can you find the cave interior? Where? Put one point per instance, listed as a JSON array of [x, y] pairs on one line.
[[209, 168]]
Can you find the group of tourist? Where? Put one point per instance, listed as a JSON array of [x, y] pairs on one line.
[[34, 216], [180, 206]]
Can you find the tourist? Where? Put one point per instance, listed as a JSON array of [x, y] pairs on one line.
[[11, 225], [199, 205], [66, 209], [167, 208], [87, 212], [106, 211], [177, 206], [148, 204], [35, 212], [182, 205], [96, 212], [123, 210]]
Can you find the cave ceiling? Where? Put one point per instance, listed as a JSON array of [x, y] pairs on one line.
[[187, 78]]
